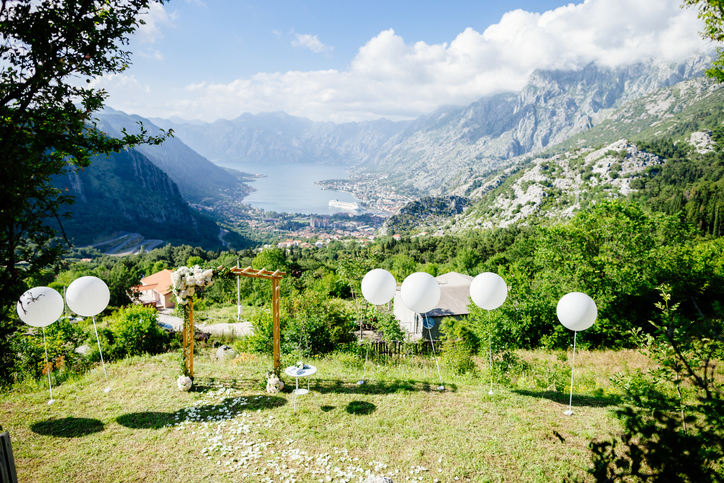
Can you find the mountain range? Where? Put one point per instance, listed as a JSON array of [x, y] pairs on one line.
[[469, 151], [443, 150]]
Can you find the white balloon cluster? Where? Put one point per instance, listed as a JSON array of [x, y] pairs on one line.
[[185, 281]]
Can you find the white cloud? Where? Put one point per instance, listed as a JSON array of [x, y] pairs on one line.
[[389, 77], [155, 19], [310, 42], [151, 53]]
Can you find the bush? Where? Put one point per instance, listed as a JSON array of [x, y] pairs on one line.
[[136, 332], [317, 325], [388, 325], [457, 359], [459, 333], [62, 337], [309, 324], [668, 436]]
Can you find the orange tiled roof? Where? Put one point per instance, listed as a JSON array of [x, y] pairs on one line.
[[161, 279]]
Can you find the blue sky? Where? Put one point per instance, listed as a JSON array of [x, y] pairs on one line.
[[351, 60]]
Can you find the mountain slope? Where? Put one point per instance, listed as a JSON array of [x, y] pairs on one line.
[[126, 192], [450, 146], [197, 178]]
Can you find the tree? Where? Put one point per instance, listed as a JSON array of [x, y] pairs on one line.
[[712, 13], [47, 48]]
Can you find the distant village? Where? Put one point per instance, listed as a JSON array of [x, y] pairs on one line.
[[322, 230]]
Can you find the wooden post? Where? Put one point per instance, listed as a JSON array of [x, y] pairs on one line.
[[188, 341], [276, 328]]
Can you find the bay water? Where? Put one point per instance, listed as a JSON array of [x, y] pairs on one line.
[[290, 188]]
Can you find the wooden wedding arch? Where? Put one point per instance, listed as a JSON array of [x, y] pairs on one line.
[[275, 277]]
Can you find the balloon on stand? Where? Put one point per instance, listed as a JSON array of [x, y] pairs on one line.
[[576, 311], [40, 306], [488, 291], [87, 296], [378, 286], [420, 292]]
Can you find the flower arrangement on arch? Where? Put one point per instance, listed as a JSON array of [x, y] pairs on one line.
[[186, 281]]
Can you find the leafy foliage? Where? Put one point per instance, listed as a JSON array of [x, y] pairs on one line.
[[137, 332], [671, 440], [46, 126]]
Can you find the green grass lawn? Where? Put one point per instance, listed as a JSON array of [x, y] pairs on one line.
[[397, 424]]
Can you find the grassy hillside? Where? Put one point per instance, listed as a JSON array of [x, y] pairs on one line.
[[397, 424]]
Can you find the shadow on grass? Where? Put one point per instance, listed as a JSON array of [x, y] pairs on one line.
[[578, 400], [230, 408], [338, 386], [360, 408], [67, 427]]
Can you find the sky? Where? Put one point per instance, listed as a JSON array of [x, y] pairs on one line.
[[354, 60]]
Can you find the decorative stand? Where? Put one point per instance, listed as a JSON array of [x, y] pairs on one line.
[[296, 373]]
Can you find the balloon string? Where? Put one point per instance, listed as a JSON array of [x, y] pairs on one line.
[[99, 349], [573, 364], [364, 372], [429, 331], [490, 348], [46, 366]]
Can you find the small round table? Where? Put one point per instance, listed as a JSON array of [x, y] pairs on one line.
[[296, 373]]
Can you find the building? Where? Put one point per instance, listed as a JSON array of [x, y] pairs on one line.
[[157, 287], [454, 300]]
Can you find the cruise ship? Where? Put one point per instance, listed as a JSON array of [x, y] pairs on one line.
[[344, 205]]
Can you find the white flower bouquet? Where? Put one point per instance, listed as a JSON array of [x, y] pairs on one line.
[[273, 383], [184, 383]]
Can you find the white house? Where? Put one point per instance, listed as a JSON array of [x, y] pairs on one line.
[[157, 287]]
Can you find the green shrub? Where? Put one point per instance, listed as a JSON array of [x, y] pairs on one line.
[[459, 333], [137, 332], [62, 338], [309, 323], [388, 325], [456, 358]]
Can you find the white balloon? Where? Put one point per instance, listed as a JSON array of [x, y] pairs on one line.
[[378, 286], [87, 296], [420, 292], [577, 311], [488, 290], [40, 306]]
